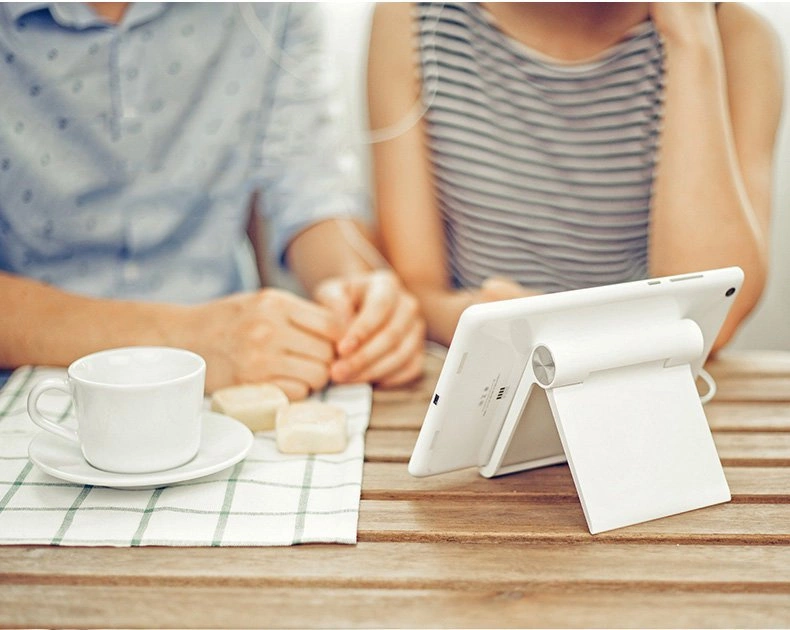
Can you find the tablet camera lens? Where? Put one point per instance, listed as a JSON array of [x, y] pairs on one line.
[[730, 291]]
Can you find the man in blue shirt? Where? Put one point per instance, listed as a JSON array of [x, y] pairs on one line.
[[132, 137]]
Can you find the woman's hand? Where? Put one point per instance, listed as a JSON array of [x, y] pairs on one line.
[[384, 337], [498, 288]]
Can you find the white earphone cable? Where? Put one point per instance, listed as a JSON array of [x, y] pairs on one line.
[[287, 64], [705, 376], [284, 62]]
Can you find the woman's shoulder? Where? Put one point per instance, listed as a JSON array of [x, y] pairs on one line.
[[391, 69], [741, 26], [394, 14], [392, 24], [752, 52]]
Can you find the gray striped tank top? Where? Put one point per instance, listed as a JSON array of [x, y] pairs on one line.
[[543, 169]]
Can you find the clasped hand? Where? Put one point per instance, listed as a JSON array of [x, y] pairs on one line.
[[361, 329], [383, 334]]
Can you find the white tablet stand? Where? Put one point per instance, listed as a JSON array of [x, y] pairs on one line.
[[622, 408]]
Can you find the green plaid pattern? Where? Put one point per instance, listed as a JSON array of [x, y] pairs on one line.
[[267, 499]]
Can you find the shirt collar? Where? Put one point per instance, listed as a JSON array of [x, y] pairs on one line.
[[17, 9], [80, 15], [141, 12]]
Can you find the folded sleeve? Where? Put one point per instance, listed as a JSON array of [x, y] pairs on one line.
[[308, 169]]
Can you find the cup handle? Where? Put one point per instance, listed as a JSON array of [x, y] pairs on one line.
[[61, 385]]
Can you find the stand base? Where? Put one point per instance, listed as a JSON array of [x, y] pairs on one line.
[[636, 440]]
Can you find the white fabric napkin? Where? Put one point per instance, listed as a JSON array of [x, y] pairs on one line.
[[266, 499]]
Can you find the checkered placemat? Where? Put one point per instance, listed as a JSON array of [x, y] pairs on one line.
[[266, 499]]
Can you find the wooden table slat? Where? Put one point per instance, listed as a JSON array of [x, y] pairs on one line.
[[735, 448], [723, 415], [742, 416], [413, 565], [223, 607], [493, 520], [753, 388], [750, 363], [391, 481]]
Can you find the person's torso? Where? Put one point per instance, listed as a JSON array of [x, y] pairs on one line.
[[121, 146], [543, 169]]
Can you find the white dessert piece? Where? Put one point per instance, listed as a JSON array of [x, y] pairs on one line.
[[311, 427], [255, 405]]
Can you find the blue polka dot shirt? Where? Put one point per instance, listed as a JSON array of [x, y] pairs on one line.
[[129, 152]]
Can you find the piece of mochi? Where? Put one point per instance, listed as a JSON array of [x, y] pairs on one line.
[[311, 427], [256, 405]]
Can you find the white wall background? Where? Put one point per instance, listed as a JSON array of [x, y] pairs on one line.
[[769, 325]]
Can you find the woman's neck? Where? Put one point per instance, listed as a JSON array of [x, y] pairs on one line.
[[567, 31]]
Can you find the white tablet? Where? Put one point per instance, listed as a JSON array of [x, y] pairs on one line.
[[496, 342]]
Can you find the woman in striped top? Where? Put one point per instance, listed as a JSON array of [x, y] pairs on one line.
[[525, 148]]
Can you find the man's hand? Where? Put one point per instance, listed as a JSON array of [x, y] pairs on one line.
[[268, 336], [384, 334]]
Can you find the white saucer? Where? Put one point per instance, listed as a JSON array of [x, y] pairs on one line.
[[224, 441]]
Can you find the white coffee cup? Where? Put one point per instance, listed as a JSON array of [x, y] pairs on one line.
[[138, 409]]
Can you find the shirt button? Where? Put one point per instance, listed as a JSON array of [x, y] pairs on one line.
[[131, 272]]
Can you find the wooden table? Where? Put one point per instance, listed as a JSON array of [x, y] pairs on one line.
[[459, 550]]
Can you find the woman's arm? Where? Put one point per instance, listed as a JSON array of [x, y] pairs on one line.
[[383, 334], [410, 227], [712, 192]]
